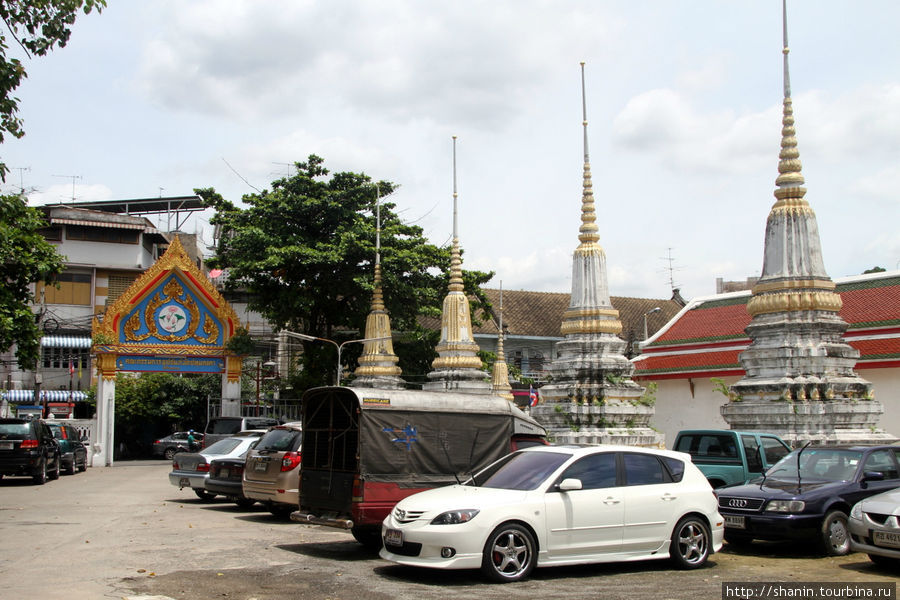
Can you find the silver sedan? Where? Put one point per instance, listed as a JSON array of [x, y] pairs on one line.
[[191, 469]]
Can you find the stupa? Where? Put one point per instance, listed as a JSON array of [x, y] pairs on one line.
[[500, 372], [799, 372], [457, 366], [378, 366], [591, 398]]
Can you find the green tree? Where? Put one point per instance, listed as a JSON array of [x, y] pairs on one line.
[[305, 252], [155, 404], [36, 27], [25, 257]]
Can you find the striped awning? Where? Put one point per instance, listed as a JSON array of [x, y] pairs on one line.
[[65, 341], [27, 396], [105, 224]]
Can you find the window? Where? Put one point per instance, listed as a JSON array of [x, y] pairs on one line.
[[595, 471], [643, 469], [881, 461], [751, 447], [774, 449], [675, 467], [102, 234], [74, 288]]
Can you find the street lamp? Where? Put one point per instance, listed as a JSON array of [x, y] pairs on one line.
[[649, 312], [338, 347]]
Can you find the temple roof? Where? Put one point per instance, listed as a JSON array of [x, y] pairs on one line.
[[705, 338]]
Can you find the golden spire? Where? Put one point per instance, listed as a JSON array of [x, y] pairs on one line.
[[456, 280], [378, 364], [590, 309], [793, 276], [457, 365], [500, 372]]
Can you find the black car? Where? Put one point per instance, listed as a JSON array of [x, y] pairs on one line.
[[72, 449], [174, 443], [27, 447], [226, 477], [808, 494]]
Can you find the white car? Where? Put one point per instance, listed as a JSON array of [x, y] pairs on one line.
[[560, 505], [874, 525]]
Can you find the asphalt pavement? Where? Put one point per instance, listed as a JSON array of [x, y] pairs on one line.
[[126, 532]]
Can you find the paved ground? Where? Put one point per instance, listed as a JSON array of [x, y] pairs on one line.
[[125, 532]]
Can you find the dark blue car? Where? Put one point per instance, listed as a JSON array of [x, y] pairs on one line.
[[808, 494]]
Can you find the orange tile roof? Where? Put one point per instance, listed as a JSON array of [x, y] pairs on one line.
[[708, 336]]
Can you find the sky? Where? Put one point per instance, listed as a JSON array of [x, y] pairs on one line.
[[160, 97]]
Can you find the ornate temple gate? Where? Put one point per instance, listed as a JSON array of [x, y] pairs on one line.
[[170, 319]]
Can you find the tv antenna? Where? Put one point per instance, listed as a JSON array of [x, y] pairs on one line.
[[671, 268], [21, 171], [73, 178]]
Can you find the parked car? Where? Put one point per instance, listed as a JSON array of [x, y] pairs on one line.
[[560, 505], [226, 478], [727, 457], [272, 470], [191, 469], [875, 528], [173, 443], [808, 494], [71, 447], [27, 447], [221, 427]]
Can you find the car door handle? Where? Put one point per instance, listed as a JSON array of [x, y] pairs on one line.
[[668, 496], [611, 500]]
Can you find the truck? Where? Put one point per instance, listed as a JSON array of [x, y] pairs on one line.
[[365, 449], [728, 457]]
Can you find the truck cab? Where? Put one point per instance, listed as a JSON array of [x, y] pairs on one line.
[[364, 449], [727, 457]]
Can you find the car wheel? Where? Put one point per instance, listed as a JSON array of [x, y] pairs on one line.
[[204, 495], [170, 453], [835, 534], [54, 474], [72, 468], [40, 476], [83, 466], [509, 553], [370, 537], [690, 543], [244, 503]]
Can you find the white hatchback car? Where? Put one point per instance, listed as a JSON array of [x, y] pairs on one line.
[[560, 505]]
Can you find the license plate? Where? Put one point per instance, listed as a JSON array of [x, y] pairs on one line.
[[886, 538], [184, 482], [261, 465], [223, 473], [735, 522], [393, 537], [6, 445]]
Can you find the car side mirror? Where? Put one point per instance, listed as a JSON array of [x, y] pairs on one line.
[[873, 476], [567, 485]]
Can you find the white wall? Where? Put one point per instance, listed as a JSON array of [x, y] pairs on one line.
[[676, 409], [105, 255]]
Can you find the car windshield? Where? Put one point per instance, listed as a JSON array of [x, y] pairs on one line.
[[520, 470], [223, 446], [823, 464]]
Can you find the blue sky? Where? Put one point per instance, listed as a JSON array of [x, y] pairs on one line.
[[684, 109]]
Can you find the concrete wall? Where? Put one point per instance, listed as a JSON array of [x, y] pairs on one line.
[[677, 408]]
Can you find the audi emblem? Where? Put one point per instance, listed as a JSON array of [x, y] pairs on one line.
[[737, 503]]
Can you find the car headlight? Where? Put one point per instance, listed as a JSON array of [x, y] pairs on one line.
[[785, 506], [455, 517], [856, 513]]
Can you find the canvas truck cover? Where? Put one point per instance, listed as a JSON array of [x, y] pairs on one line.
[[416, 437]]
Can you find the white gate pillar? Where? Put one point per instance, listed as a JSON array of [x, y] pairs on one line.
[[103, 443]]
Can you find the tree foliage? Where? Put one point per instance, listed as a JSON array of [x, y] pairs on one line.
[[156, 404], [305, 253], [25, 257], [36, 27]]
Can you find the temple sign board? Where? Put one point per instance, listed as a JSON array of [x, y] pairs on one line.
[[171, 319]]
